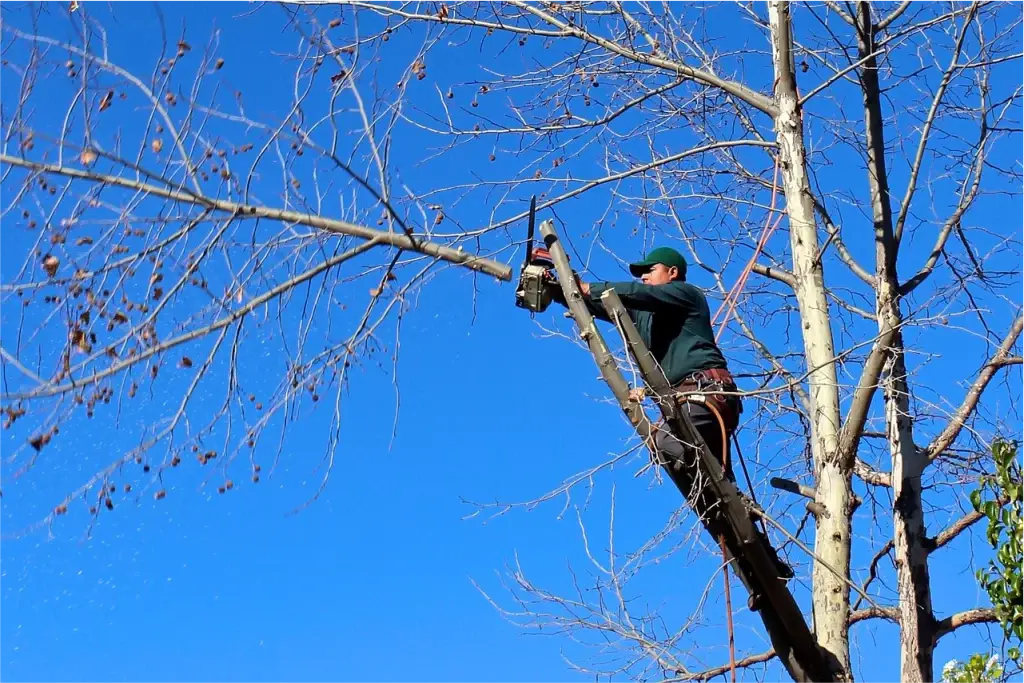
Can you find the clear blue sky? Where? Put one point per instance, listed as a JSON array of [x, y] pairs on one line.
[[374, 581]]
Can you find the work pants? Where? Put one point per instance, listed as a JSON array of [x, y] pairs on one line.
[[672, 449]]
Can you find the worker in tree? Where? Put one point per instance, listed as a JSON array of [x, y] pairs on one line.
[[674, 323]]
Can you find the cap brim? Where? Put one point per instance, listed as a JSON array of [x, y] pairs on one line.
[[639, 268]]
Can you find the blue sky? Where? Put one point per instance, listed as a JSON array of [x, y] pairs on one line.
[[375, 580]]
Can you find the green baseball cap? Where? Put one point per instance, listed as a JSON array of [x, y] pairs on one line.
[[666, 256]]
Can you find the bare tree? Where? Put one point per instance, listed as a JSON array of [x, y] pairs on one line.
[[794, 143]]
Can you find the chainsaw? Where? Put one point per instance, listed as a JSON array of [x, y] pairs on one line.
[[532, 292]]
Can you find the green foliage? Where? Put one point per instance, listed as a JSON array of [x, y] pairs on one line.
[[999, 499], [977, 669]]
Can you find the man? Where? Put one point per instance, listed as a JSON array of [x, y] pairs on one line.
[[674, 322]]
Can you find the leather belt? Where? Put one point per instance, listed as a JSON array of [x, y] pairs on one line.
[[708, 376]]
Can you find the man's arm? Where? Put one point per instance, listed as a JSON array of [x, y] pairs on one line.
[[593, 304], [641, 297]]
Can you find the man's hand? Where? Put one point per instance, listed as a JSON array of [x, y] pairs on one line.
[[584, 286]]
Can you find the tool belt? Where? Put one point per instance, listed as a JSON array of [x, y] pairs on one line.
[[715, 380]]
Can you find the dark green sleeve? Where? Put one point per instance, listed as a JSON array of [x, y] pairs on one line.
[[641, 297], [593, 303]]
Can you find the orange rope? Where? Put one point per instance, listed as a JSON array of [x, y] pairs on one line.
[[732, 298], [721, 539]]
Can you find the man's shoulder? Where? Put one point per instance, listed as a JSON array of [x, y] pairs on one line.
[[686, 290]]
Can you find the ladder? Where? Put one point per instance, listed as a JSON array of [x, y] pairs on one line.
[[713, 497]]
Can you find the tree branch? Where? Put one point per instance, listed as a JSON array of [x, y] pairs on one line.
[[779, 274], [751, 97], [1001, 358], [870, 475], [893, 16], [927, 127], [876, 612], [844, 253], [947, 535], [857, 415], [708, 674], [401, 241], [984, 615]]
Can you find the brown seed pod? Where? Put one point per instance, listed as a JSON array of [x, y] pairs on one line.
[[160, 495], [50, 264], [334, 23]]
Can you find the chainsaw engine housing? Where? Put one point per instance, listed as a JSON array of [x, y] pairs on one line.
[[532, 292]]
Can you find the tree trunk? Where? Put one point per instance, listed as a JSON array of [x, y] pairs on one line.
[[917, 622], [831, 595]]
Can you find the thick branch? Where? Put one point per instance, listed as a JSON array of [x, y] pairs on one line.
[[779, 274], [857, 415], [947, 535], [708, 674], [952, 430], [870, 475], [401, 241], [984, 615], [876, 612], [893, 16]]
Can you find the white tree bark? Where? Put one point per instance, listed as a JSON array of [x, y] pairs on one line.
[[831, 601]]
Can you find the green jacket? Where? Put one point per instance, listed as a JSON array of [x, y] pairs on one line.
[[673, 320]]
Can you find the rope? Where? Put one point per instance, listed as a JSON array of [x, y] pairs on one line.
[[700, 400], [732, 298]]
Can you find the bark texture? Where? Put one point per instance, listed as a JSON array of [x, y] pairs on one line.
[[917, 622], [831, 606]]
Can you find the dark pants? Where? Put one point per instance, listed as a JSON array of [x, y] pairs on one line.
[[672, 449]]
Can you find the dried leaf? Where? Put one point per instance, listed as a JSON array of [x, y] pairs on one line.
[[158, 145], [50, 264], [87, 157], [107, 100]]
